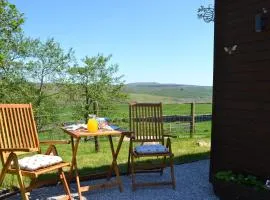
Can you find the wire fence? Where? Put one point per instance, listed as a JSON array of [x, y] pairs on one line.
[[182, 120]]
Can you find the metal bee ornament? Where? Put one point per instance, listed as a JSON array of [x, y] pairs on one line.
[[206, 13], [230, 50]]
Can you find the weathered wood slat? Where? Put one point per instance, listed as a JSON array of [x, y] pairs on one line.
[[20, 134], [3, 135]]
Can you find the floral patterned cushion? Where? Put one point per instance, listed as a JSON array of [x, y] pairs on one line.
[[151, 148], [37, 161]]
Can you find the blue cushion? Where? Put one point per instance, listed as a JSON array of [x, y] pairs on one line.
[[151, 148]]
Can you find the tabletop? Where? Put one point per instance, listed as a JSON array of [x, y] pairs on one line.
[[101, 132]]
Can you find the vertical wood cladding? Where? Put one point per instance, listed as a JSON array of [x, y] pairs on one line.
[[241, 91]]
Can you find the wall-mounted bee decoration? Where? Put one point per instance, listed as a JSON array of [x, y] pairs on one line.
[[230, 50], [206, 13]]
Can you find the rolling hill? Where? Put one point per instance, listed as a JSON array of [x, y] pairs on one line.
[[168, 93]]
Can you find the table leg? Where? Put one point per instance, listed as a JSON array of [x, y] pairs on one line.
[[74, 164], [114, 165], [73, 157], [109, 175], [129, 155]]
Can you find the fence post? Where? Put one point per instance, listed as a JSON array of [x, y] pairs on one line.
[[192, 120], [95, 108]]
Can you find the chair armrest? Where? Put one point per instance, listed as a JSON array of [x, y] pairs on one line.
[[19, 149], [50, 142], [171, 136], [130, 134]]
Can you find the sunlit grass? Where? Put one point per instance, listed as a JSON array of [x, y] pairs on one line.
[[185, 150]]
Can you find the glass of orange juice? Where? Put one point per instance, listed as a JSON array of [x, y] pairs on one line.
[[92, 124]]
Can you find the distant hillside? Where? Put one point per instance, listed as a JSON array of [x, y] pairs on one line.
[[168, 93]]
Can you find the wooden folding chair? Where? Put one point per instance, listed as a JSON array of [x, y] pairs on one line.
[[18, 134], [146, 122]]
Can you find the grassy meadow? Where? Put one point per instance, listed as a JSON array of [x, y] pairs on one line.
[[185, 149], [171, 93]]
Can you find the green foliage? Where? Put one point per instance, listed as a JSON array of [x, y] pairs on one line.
[[14, 49], [248, 180], [10, 26], [96, 81], [47, 113], [48, 64]]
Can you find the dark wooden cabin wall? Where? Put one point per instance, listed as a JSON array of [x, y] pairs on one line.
[[241, 90]]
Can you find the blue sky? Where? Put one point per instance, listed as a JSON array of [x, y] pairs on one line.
[[151, 40]]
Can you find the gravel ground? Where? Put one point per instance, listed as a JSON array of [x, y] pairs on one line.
[[191, 184]]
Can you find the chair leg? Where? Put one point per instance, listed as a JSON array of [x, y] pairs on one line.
[[129, 152], [22, 186], [133, 172], [5, 168], [172, 171], [2, 176], [64, 182], [33, 184], [162, 169], [20, 179]]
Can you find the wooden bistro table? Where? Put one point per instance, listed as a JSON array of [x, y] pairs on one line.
[[77, 135]]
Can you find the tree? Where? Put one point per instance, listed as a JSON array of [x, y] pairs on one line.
[[14, 47], [10, 27], [97, 81], [46, 70]]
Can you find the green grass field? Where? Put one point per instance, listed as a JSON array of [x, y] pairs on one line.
[[185, 148]]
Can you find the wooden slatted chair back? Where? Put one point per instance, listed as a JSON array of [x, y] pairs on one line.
[[146, 121], [17, 128], [18, 134]]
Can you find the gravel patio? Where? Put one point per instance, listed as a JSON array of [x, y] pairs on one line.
[[191, 184]]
